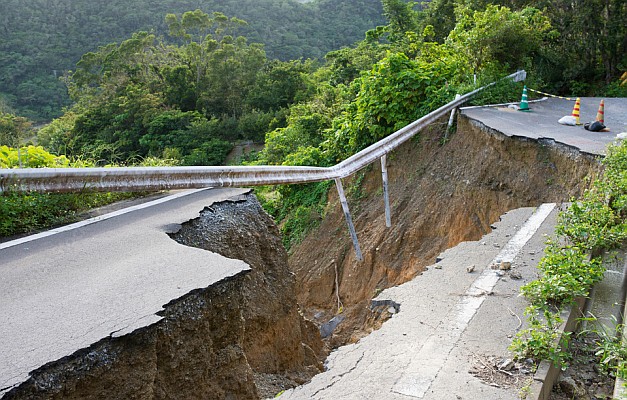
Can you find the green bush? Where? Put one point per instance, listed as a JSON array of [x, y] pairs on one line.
[[30, 157], [300, 207], [212, 152], [542, 340], [36, 211], [567, 273]]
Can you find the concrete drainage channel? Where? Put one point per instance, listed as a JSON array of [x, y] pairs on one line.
[[607, 304]]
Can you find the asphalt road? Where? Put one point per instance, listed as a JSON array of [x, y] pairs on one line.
[[541, 121], [108, 276]]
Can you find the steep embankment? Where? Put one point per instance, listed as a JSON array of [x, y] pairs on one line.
[[441, 194], [241, 338], [277, 340]]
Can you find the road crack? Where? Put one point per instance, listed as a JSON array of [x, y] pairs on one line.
[[335, 379]]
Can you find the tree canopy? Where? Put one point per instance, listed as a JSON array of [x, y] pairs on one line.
[[189, 95], [42, 39]]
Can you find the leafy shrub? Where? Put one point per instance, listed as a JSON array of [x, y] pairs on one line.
[[212, 152], [30, 157], [36, 211], [301, 207], [541, 341], [27, 213], [567, 273], [596, 222], [13, 129], [395, 92]]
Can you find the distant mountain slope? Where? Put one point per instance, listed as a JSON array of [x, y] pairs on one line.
[[41, 39]]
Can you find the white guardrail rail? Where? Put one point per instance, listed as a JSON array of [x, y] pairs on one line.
[[165, 178]]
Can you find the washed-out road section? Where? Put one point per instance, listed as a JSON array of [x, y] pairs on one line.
[[78, 286], [541, 121], [456, 314], [461, 312]]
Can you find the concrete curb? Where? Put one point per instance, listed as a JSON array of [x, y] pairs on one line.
[[547, 373], [620, 388]]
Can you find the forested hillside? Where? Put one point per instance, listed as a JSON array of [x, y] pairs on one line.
[[41, 39], [188, 95]]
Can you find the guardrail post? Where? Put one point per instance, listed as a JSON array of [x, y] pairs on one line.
[[386, 195], [349, 220], [451, 118]]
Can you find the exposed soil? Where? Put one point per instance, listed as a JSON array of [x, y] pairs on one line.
[[281, 346], [440, 196], [251, 336]]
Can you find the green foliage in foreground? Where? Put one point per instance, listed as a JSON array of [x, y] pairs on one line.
[[567, 273], [543, 340], [27, 213], [301, 207], [590, 225]]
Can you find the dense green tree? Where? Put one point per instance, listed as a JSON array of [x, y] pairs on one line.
[[586, 51], [395, 92], [280, 84], [42, 39], [401, 17], [440, 14], [592, 46], [499, 38], [13, 129], [306, 124], [144, 97]]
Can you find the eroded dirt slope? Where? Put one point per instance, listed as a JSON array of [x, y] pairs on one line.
[[246, 337], [277, 340], [441, 194]]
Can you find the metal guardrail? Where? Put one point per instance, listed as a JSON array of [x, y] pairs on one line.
[[164, 178]]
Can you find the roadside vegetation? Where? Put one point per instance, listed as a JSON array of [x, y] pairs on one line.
[[28, 213], [192, 90], [186, 89], [572, 264]]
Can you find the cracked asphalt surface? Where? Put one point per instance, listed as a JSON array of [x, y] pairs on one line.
[[541, 122], [109, 278]]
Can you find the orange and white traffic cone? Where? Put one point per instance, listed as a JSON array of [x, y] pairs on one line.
[[601, 113], [575, 112]]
